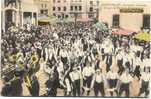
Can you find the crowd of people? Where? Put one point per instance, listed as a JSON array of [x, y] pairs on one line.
[[78, 60]]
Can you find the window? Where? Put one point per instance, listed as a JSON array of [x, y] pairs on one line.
[[91, 9], [59, 9], [45, 5], [35, 15], [64, 8], [146, 21], [115, 21], [54, 8], [66, 16], [80, 8], [65, 1], [54, 1], [41, 11], [71, 8], [44, 12], [54, 14], [90, 15], [91, 2], [42, 5], [59, 16], [59, 1], [76, 8]]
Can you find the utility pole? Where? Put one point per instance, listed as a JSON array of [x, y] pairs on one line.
[[20, 13], [75, 20]]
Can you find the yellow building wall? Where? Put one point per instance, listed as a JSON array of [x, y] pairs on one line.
[[133, 21]]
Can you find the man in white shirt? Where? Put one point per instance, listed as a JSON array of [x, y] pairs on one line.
[[88, 72], [145, 78], [98, 83], [119, 59], [75, 77], [125, 79], [112, 78], [137, 65], [145, 63]]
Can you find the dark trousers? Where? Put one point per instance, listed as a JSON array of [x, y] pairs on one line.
[[34, 90], [64, 60], [76, 88], [137, 72], [121, 68], [113, 83], [87, 83], [39, 52], [99, 87], [144, 88], [124, 87], [108, 62]]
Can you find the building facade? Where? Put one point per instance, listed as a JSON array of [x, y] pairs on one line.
[[44, 7], [18, 12], [83, 9], [130, 14], [60, 8]]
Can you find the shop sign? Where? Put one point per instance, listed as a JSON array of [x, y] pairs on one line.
[[131, 10]]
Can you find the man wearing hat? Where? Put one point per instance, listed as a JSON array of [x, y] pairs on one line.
[[98, 83]]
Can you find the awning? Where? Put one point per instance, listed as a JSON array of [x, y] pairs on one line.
[[143, 36], [101, 26], [122, 31], [52, 19], [47, 19]]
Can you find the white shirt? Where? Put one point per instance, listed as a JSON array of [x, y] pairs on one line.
[[137, 61], [126, 78], [68, 86], [125, 58], [88, 71], [119, 56], [63, 53], [136, 48], [145, 76], [146, 62], [60, 69], [50, 52], [112, 75], [99, 78], [55, 35], [75, 75]]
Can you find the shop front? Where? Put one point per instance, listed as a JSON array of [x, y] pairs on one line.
[[133, 15]]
